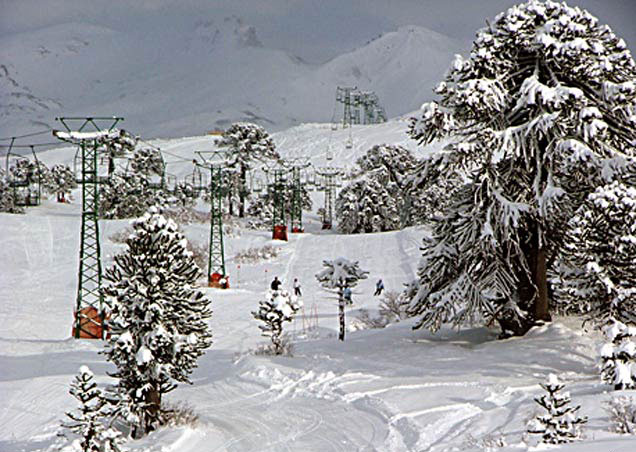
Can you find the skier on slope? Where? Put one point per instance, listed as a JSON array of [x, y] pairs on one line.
[[275, 285], [297, 291], [346, 294], [379, 287]]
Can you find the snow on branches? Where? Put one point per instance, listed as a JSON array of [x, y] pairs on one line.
[[246, 143], [86, 429], [279, 306], [559, 424], [598, 270], [340, 274], [618, 356], [379, 199], [540, 114], [159, 322]]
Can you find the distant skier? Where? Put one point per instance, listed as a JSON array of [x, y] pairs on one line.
[[297, 291], [275, 283], [346, 294], [379, 287]]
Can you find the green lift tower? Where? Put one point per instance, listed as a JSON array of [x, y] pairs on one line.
[[89, 134]]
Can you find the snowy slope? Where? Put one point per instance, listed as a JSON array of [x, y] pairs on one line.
[[170, 82], [392, 389]]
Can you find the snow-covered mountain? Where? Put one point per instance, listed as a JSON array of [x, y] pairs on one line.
[[175, 83]]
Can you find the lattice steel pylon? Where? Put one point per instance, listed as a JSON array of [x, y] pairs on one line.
[[217, 276], [346, 96], [299, 180], [89, 313], [329, 181]]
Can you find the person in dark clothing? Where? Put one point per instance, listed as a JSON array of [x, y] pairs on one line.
[[297, 291], [379, 287], [275, 283]]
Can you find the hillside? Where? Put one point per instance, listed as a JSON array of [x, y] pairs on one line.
[[391, 389], [169, 83]]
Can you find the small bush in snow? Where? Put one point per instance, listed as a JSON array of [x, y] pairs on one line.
[[286, 348], [178, 414], [488, 443], [618, 356], [559, 424], [622, 414], [364, 321], [86, 429], [254, 255], [393, 306], [121, 236], [278, 307]]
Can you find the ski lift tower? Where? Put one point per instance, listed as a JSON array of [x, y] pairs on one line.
[[89, 134], [277, 182], [214, 161], [348, 97], [328, 180], [300, 177]]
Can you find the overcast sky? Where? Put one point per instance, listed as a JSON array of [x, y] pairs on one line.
[[314, 30]]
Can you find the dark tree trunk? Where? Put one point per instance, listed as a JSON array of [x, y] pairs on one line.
[[533, 289], [153, 404], [341, 315], [242, 191]]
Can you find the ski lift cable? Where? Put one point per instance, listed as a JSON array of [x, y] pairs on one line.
[[26, 135]]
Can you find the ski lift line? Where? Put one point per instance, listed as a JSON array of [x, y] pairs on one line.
[[26, 135], [30, 145]]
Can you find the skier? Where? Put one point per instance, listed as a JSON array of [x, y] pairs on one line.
[[379, 287], [297, 288], [346, 294], [275, 283]]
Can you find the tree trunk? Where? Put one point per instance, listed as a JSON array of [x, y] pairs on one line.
[[242, 191], [341, 315], [153, 406], [533, 289]]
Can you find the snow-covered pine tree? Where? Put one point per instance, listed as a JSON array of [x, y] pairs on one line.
[[598, 268], [86, 429], [379, 198], [279, 306], [159, 322], [115, 146], [337, 275], [618, 356], [541, 113], [147, 162], [127, 196], [61, 180], [246, 144], [559, 424], [7, 200]]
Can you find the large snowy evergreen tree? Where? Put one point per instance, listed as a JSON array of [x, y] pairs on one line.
[[340, 274], [7, 198], [246, 143], [559, 423], [380, 197], [86, 428], [60, 181], [159, 322], [597, 274], [541, 113], [128, 196], [279, 306]]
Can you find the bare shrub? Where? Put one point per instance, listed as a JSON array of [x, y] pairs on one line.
[[488, 443], [622, 414], [393, 306], [286, 348], [121, 236], [174, 414], [186, 215], [364, 321], [199, 254], [255, 255]]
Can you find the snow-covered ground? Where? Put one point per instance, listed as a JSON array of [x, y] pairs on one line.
[[391, 389]]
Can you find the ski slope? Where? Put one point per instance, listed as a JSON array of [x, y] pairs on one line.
[[391, 389]]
